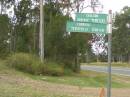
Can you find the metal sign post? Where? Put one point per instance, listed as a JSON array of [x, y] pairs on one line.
[[109, 53], [95, 23]]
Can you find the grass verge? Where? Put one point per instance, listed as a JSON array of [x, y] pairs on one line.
[[14, 83], [87, 79], [115, 64]]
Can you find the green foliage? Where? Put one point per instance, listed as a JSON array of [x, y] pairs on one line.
[[120, 38], [25, 39], [24, 62], [24, 29], [31, 64], [22, 11], [59, 46], [52, 68], [5, 29]]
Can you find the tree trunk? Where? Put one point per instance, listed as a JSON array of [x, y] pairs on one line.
[[129, 58], [121, 58]]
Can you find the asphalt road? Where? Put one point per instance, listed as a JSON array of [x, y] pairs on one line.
[[115, 70]]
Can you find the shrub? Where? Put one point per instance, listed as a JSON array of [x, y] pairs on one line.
[[32, 64], [52, 68], [22, 61], [68, 71]]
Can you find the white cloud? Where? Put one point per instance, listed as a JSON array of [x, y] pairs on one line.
[[115, 5]]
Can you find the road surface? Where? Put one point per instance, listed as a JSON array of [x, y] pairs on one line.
[[115, 70]]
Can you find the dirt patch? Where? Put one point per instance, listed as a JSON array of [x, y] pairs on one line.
[[58, 89]]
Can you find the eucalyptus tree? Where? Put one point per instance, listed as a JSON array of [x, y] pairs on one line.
[[121, 35], [59, 46], [22, 13]]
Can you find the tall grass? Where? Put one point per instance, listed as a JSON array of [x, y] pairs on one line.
[[32, 64]]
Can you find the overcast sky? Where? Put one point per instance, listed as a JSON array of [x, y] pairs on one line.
[[114, 5]]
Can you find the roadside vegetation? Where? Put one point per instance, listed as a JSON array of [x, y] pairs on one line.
[[31, 64], [63, 51], [82, 79], [21, 71], [87, 79], [15, 83], [114, 64]]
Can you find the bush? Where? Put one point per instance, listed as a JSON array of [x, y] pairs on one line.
[[23, 61], [31, 64], [52, 68]]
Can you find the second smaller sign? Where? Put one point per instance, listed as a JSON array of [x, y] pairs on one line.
[[86, 27]]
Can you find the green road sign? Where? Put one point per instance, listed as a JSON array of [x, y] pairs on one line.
[[86, 27], [91, 18]]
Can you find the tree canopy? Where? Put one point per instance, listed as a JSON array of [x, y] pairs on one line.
[[121, 35], [22, 30]]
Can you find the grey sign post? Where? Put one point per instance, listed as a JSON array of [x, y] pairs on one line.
[[95, 23], [109, 53]]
